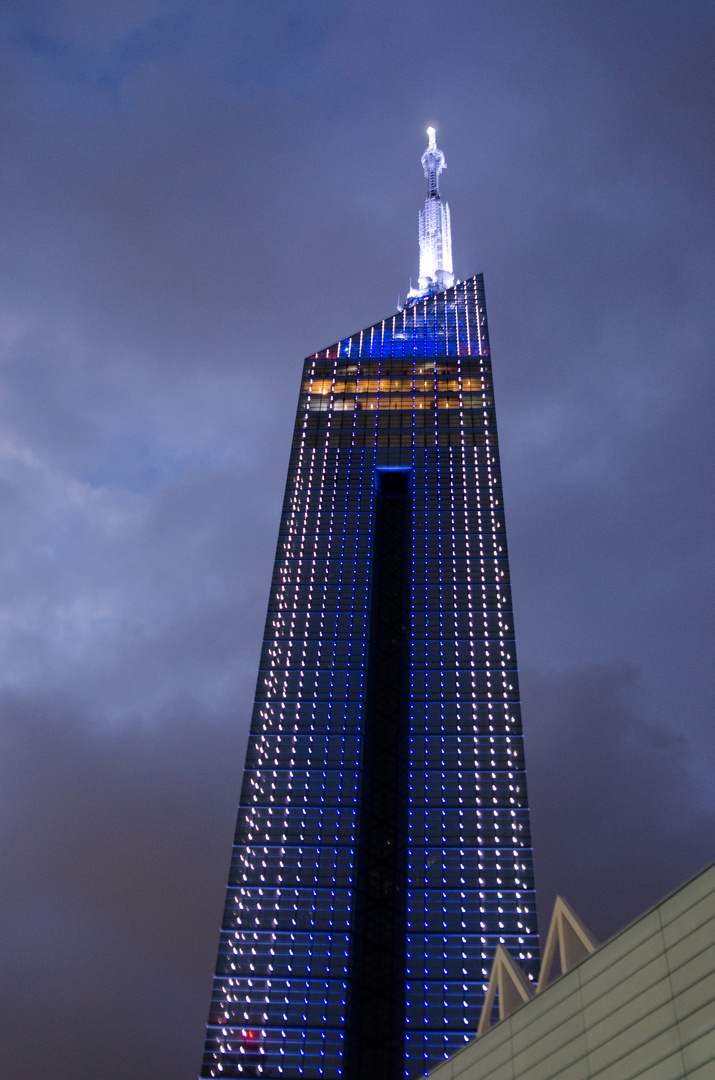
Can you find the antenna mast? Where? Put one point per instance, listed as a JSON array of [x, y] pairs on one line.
[[436, 273]]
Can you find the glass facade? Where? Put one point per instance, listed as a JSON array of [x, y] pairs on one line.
[[382, 848]]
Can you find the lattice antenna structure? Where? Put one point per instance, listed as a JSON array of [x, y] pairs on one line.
[[433, 162], [435, 231]]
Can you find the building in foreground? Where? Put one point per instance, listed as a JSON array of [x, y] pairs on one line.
[[640, 1007], [382, 851]]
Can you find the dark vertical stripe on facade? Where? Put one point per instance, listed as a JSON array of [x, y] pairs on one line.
[[376, 1006]]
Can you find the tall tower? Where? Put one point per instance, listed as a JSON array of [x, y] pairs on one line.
[[382, 850]]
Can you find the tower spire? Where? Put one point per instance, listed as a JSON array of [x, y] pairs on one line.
[[435, 231], [433, 162]]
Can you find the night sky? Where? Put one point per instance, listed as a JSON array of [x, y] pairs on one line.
[[194, 197]]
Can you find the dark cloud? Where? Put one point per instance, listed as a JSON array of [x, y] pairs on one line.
[[119, 848], [618, 816], [195, 197]]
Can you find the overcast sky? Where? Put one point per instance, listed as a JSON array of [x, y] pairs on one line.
[[194, 197]]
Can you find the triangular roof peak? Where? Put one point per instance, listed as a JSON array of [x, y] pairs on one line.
[[508, 981], [575, 942]]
